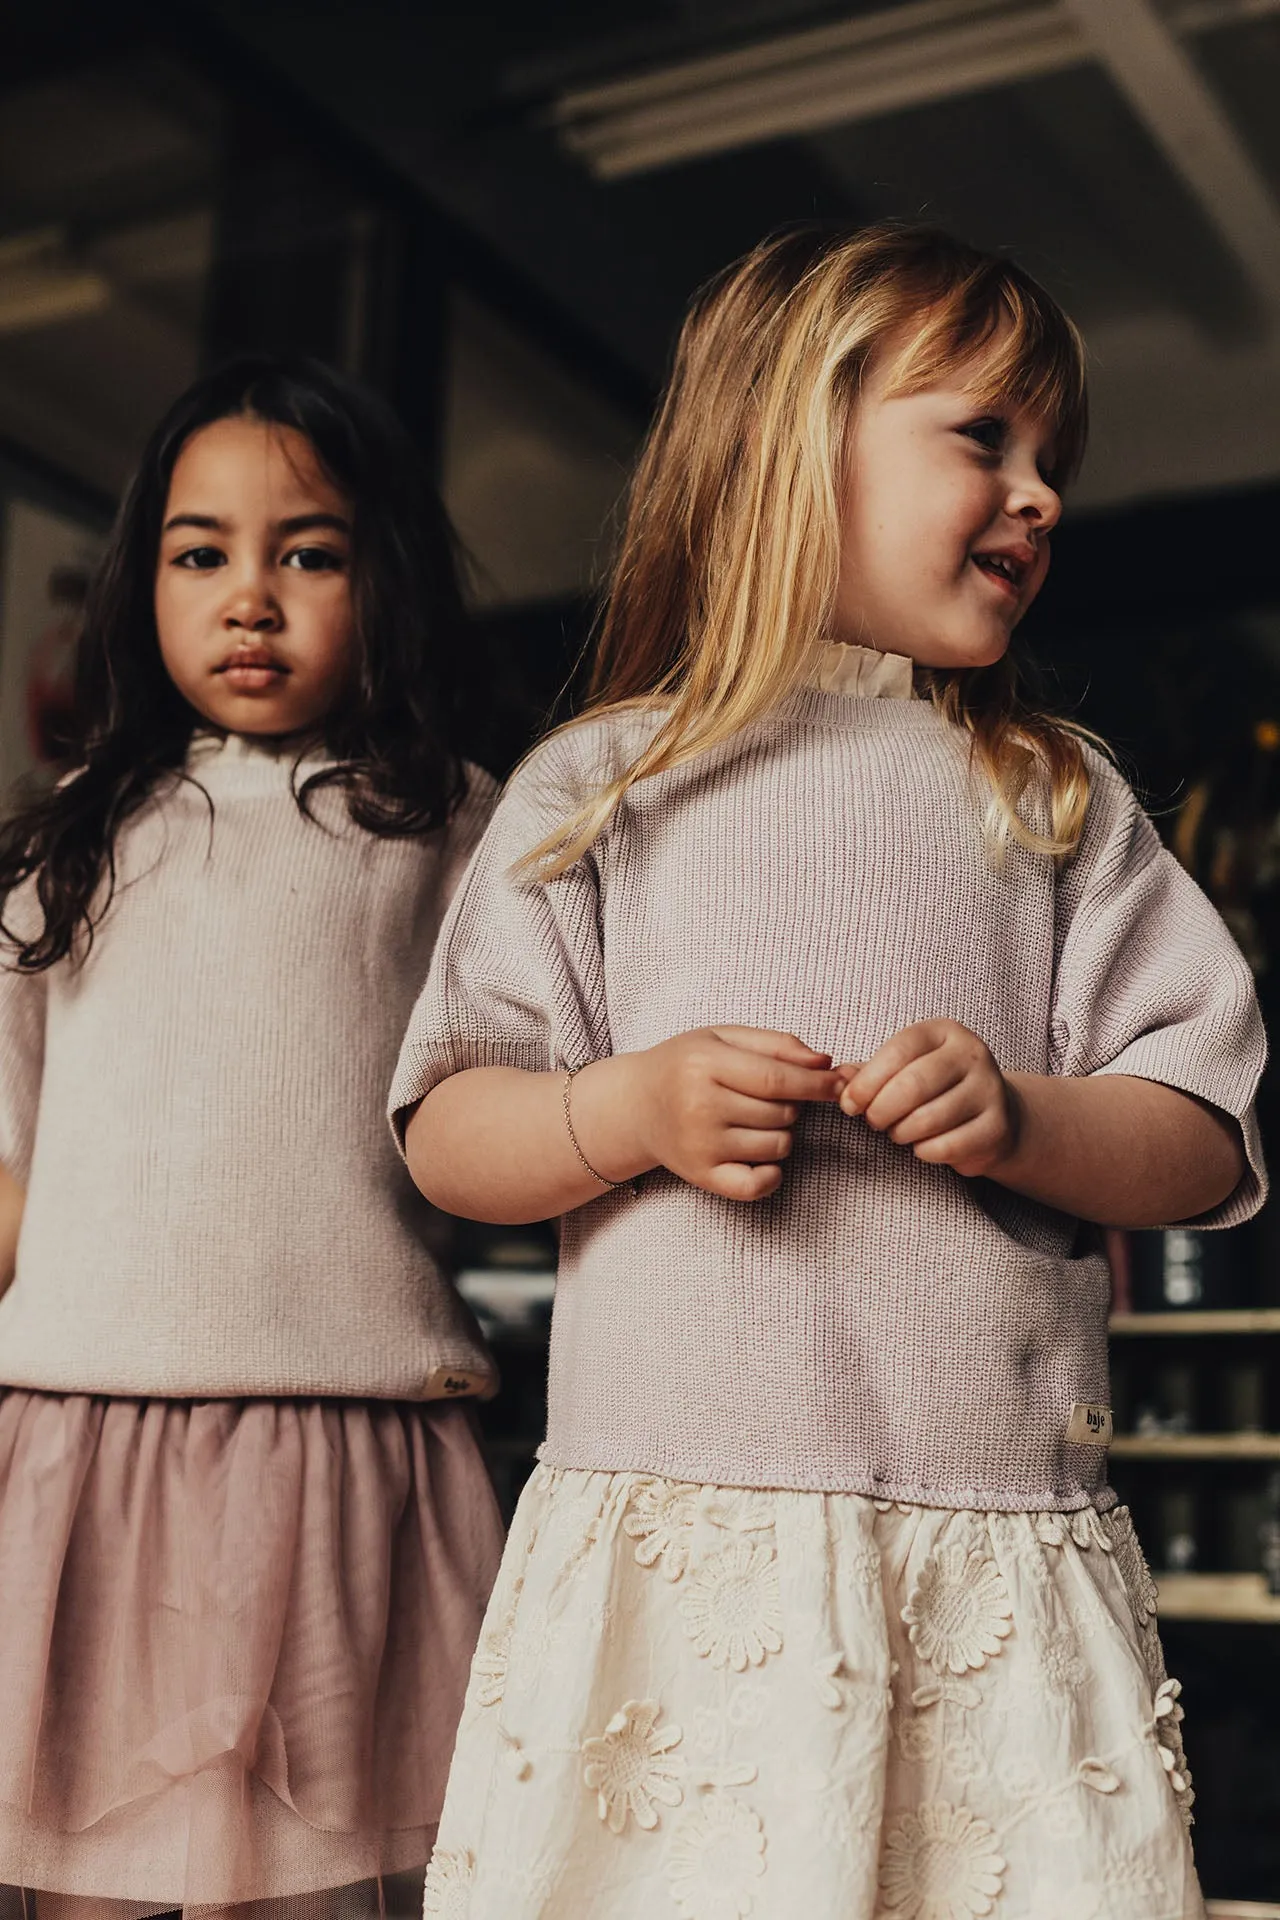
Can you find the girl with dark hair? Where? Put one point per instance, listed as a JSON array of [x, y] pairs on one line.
[[245, 1543]]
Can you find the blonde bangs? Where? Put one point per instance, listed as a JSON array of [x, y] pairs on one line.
[[724, 585], [1028, 354]]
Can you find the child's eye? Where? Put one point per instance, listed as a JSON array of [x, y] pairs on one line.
[[989, 433], [314, 560], [201, 559]]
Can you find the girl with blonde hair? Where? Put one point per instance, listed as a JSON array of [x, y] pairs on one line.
[[832, 995]]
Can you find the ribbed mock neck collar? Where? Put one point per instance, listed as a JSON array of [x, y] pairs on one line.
[[232, 763]]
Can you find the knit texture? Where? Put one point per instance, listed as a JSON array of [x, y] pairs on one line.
[[878, 1325], [197, 1108]]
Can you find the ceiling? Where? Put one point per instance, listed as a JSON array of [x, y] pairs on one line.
[[1128, 152]]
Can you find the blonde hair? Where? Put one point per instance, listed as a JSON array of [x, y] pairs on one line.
[[721, 597]]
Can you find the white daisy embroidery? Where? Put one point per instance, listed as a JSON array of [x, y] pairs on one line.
[[716, 1856], [661, 1519], [731, 1608], [940, 1863], [959, 1612], [447, 1890], [628, 1767]]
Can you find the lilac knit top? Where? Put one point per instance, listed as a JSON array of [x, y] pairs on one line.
[[877, 1326]]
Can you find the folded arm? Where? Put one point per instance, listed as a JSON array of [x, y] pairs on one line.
[[1111, 1148]]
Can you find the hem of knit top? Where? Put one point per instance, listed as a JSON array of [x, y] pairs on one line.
[[968, 1499]]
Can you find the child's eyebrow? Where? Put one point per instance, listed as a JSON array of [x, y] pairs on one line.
[[210, 521], [304, 522], [296, 523]]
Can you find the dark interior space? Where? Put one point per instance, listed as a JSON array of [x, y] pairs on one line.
[[496, 216]]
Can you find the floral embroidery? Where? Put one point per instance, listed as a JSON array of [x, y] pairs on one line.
[[1051, 1529], [1062, 1662], [740, 1513], [1021, 1777], [1133, 1881], [628, 1768], [489, 1668], [716, 1854], [731, 1608], [1087, 1530], [959, 1611], [447, 1889], [917, 1740], [1062, 1818], [959, 1693], [863, 1562], [661, 1519], [1132, 1563], [964, 1758], [1166, 1725], [940, 1863], [1098, 1775], [713, 1727]]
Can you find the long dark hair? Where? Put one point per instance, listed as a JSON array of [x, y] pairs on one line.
[[390, 742]]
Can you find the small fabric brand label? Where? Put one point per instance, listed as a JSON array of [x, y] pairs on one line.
[[1089, 1426], [448, 1383]]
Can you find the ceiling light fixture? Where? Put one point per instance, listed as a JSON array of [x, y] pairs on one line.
[[901, 57]]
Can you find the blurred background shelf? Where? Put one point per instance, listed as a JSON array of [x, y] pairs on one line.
[[1196, 1446], [1216, 1596], [1237, 1320]]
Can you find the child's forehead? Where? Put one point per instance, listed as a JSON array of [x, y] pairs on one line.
[[242, 455], [920, 358], [993, 366]]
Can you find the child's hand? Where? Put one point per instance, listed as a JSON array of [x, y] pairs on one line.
[[934, 1087], [718, 1105]]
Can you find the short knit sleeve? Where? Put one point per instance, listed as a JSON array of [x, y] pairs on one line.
[[517, 978], [23, 1001], [1148, 980]]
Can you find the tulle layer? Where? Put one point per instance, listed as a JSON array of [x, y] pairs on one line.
[[234, 1647]]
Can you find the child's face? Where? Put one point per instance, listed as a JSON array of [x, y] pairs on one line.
[[945, 522], [253, 582]]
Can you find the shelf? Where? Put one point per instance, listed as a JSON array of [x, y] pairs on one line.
[[1241, 1910], [1215, 1596], [1195, 1446], [1223, 1320]]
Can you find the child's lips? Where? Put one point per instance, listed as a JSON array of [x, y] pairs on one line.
[[252, 671]]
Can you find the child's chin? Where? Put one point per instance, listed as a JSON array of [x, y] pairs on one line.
[[969, 654]]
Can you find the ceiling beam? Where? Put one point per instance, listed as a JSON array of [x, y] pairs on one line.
[[1171, 98], [900, 57]]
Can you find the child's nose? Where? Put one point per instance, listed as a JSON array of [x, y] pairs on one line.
[[1036, 504], [252, 609]]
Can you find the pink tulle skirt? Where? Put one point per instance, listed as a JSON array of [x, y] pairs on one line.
[[234, 1642]]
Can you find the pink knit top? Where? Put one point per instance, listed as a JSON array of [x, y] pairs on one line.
[[878, 1326], [196, 1107]]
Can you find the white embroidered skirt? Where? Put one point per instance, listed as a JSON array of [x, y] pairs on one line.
[[728, 1705]]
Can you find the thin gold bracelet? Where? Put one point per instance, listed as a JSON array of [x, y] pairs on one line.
[[568, 1120]]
